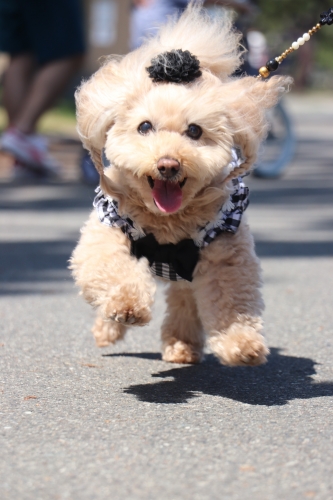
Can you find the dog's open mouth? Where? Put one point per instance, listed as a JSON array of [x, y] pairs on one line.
[[167, 195]]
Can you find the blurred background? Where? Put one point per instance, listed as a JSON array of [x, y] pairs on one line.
[[77, 422], [116, 26]]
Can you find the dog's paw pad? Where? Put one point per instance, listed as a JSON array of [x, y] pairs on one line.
[[131, 317], [180, 352], [127, 304], [124, 317]]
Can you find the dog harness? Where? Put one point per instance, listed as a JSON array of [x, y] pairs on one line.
[[176, 262]]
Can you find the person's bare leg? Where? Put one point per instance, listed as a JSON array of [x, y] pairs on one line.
[[16, 84], [47, 85]]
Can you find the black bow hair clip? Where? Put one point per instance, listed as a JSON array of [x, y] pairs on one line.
[[273, 64], [176, 66]]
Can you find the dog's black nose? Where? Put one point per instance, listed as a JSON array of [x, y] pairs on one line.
[[168, 167]]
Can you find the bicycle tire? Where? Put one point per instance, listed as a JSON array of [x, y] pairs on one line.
[[285, 146]]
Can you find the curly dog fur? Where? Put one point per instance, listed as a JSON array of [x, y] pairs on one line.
[[223, 302]]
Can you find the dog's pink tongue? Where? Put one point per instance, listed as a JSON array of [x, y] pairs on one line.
[[167, 195]]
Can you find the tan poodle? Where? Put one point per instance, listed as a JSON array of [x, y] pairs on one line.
[[179, 134]]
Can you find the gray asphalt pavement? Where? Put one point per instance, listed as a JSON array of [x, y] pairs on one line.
[[81, 423]]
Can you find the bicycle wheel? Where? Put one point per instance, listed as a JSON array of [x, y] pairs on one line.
[[279, 148]]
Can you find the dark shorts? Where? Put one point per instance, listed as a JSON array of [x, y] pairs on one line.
[[50, 29]]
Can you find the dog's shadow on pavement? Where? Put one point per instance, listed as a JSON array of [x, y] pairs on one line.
[[282, 379]]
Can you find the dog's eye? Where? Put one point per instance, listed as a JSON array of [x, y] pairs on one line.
[[194, 131], [145, 127]]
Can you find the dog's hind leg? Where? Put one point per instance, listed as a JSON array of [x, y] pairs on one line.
[[107, 331], [227, 290], [182, 334]]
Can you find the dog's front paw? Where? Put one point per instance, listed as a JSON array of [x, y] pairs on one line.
[[128, 305], [241, 345], [181, 352]]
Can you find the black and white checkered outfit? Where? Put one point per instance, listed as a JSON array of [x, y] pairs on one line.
[[227, 220], [166, 271]]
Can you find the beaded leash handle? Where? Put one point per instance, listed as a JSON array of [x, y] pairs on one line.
[[273, 64]]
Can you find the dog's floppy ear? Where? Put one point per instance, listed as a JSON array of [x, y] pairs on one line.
[[97, 104], [247, 113]]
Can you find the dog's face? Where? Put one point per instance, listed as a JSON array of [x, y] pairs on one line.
[[167, 142], [170, 142]]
